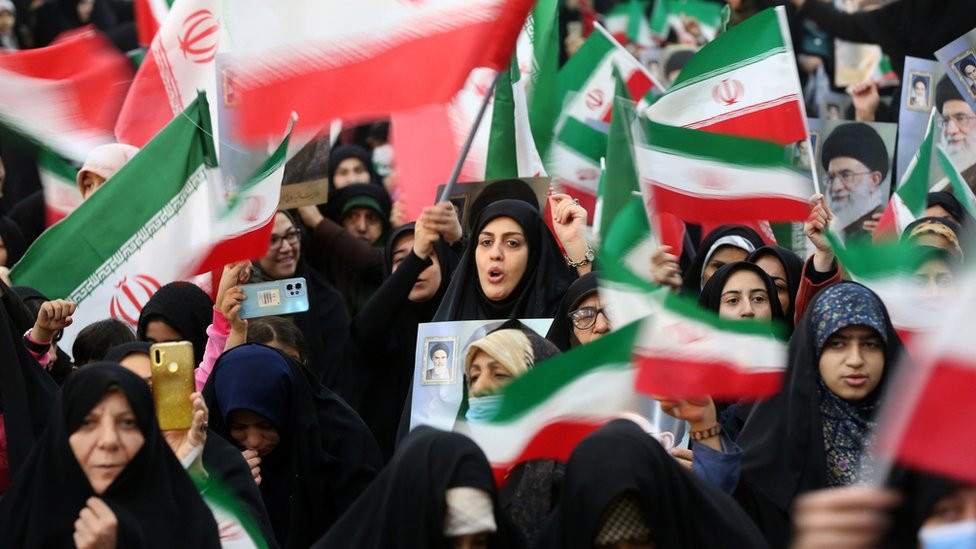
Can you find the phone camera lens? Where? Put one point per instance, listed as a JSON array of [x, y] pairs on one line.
[[289, 286], [298, 286]]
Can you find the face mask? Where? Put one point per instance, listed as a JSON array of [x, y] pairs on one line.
[[958, 535], [483, 408]]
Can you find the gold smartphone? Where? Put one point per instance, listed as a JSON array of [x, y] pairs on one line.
[[172, 384]]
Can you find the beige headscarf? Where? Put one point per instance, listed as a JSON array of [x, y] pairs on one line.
[[511, 348], [469, 511], [105, 161]]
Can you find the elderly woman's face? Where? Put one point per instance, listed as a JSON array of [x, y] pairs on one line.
[[107, 439], [486, 375]]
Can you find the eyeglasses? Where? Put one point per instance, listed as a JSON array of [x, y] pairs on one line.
[[961, 120], [291, 235], [585, 317], [846, 177]]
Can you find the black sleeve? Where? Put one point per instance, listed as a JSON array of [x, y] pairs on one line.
[[866, 27], [817, 277], [375, 320]]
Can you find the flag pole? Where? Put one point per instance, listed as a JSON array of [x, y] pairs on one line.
[[456, 172]]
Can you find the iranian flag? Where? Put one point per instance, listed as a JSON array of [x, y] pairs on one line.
[[628, 25], [61, 194], [179, 62], [684, 351], [162, 217], [547, 411], [327, 60], [926, 420], [709, 177], [929, 168], [586, 90], [65, 96], [428, 140], [743, 83]]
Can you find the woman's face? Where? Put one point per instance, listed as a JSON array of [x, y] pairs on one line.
[[90, 182], [253, 431], [106, 440], [852, 362], [774, 268], [469, 541], [429, 281], [745, 296], [588, 311], [501, 256], [158, 331], [486, 375], [720, 258], [364, 223], [281, 260], [958, 506], [350, 171]]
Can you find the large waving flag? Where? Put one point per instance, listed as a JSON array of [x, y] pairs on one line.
[[327, 60], [586, 92], [547, 411], [684, 351], [162, 217], [929, 167], [926, 420], [179, 62], [743, 83], [65, 96], [709, 177]]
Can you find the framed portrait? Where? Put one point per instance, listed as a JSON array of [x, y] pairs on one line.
[[440, 361], [964, 65], [460, 203], [919, 96]]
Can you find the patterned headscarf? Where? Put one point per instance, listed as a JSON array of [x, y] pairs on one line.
[[622, 521], [843, 305]]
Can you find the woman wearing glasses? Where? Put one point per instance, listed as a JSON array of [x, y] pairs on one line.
[[580, 318], [326, 323]]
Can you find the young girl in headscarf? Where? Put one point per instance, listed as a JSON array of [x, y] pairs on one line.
[[438, 492], [622, 489], [723, 245], [786, 269], [810, 435], [311, 453], [102, 475]]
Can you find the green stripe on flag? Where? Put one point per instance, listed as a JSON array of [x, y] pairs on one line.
[[502, 158], [546, 379], [690, 309], [914, 189], [543, 86], [264, 171], [621, 174], [751, 41], [628, 230], [879, 260], [56, 165], [727, 149], [69, 253], [583, 63], [583, 139]]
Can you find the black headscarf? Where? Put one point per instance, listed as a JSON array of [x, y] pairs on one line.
[[185, 308], [784, 453], [792, 265], [680, 509], [13, 240], [920, 492], [949, 203], [711, 295], [692, 277], [514, 189], [337, 155], [154, 500], [361, 194], [405, 506], [326, 456], [561, 332], [538, 293], [30, 303]]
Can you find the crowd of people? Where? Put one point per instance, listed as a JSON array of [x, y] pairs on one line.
[[300, 433]]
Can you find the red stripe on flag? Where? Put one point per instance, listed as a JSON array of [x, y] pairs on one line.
[[249, 245], [684, 378], [638, 85], [888, 224], [671, 229], [779, 121], [554, 441], [938, 437], [146, 23], [698, 209], [422, 71], [149, 109]]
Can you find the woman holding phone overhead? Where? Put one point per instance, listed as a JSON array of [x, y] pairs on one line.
[[101, 475]]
